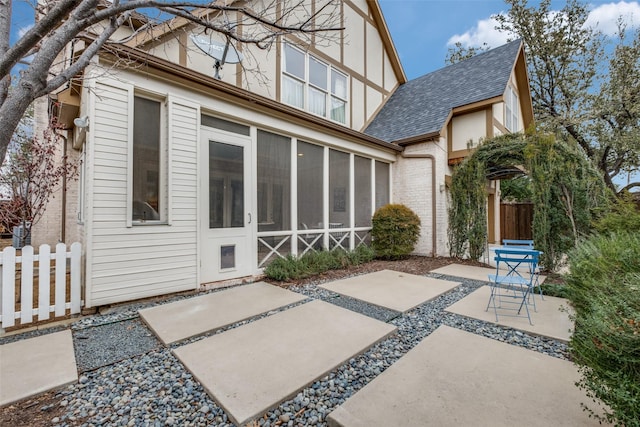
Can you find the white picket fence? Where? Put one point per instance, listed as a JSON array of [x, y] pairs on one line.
[[43, 309]]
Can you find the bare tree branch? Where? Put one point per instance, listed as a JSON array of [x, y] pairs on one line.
[[60, 22]]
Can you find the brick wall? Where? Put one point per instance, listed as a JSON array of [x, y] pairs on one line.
[[413, 188]]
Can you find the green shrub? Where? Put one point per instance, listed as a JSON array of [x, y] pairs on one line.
[[361, 255], [311, 263], [604, 287], [286, 268], [396, 229], [623, 217]]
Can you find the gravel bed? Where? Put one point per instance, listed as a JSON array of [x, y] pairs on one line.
[[110, 343], [155, 389]]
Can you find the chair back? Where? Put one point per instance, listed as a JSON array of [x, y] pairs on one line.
[[518, 243], [512, 259]]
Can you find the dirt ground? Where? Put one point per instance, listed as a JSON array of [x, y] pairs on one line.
[[40, 410]]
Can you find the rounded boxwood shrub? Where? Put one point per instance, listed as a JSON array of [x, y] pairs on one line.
[[396, 229]]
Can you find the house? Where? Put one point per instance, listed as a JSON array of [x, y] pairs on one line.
[[188, 179]]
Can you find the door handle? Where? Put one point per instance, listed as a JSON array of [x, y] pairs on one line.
[[249, 217]]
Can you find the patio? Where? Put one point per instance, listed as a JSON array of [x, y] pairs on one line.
[[278, 345]]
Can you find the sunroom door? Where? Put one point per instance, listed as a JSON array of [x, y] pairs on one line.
[[226, 219]]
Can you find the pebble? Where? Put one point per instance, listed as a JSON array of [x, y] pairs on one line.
[[154, 389]]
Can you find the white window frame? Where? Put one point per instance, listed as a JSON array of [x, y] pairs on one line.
[[307, 85], [163, 196], [512, 110]]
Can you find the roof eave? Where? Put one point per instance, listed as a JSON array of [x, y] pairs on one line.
[[418, 139]]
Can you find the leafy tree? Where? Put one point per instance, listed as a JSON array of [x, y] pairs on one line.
[[61, 22], [459, 52], [33, 172], [567, 66], [616, 110]]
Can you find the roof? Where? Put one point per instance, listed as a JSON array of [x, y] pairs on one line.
[[423, 105]]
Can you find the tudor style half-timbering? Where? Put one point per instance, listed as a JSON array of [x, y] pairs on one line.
[[188, 179]]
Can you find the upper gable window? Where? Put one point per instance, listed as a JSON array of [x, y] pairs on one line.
[[512, 111], [312, 85]]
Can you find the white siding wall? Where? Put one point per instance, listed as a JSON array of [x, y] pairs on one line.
[[126, 263], [413, 188]]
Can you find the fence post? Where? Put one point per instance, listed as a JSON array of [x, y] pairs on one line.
[[8, 291], [44, 275], [61, 279], [26, 286], [76, 273]]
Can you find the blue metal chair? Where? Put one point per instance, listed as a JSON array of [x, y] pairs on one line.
[[525, 244], [512, 285]]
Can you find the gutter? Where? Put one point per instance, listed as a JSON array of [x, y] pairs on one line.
[[434, 240]]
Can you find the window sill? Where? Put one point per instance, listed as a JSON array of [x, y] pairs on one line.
[[148, 223]]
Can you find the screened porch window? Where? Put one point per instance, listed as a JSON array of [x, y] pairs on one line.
[[382, 184], [339, 203], [274, 182], [310, 185], [362, 191]]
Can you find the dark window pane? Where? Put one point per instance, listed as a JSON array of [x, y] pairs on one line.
[[146, 160], [218, 123], [317, 73], [294, 61], [226, 185]]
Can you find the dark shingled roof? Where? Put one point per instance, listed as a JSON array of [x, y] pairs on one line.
[[421, 106]]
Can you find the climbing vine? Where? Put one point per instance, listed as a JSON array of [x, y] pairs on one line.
[[567, 193], [468, 212]]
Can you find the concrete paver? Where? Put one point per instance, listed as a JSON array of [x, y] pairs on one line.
[[35, 365], [471, 272], [551, 318], [391, 289], [250, 369], [455, 378], [194, 316]]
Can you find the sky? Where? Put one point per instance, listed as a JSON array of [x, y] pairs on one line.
[[423, 30]]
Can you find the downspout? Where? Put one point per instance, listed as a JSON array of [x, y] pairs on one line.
[[433, 192], [63, 213]]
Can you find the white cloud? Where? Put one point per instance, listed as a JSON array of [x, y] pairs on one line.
[[483, 32], [22, 31], [605, 17]]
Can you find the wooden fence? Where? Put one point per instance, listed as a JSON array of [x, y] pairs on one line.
[[516, 221], [27, 289]]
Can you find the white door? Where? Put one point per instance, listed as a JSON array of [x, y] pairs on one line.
[[226, 219]]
